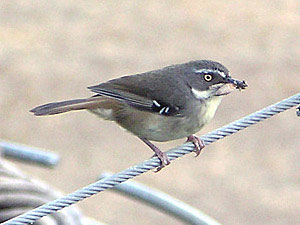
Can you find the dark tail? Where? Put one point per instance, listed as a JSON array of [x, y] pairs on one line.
[[66, 106]]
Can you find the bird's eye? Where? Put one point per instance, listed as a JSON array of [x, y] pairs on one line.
[[208, 77]]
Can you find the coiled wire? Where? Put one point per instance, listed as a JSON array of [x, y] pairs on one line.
[[19, 193]]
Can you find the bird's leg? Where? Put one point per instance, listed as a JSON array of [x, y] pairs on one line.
[[198, 143], [162, 156]]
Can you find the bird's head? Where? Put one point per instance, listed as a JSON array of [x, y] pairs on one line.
[[208, 79]]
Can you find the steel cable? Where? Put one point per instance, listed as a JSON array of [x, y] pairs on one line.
[[103, 184]]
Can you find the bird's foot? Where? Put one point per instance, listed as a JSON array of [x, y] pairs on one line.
[[162, 156], [198, 143], [164, 160]]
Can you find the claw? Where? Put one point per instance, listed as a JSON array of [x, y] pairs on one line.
[[162, 156], [164, 161], [198, 143]]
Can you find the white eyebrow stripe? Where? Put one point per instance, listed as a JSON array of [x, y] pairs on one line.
[[222, 74], [205, 71], [200, 94]]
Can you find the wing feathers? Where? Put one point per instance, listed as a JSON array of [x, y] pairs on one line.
[[120, 93], [123, 96]]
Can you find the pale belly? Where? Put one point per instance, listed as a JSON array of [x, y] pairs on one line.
[[156, 127], [160, 128]]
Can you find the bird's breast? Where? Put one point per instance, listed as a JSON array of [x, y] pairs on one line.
[[208, 109]]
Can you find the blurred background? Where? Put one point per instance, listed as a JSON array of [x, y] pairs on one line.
[[53, 50]]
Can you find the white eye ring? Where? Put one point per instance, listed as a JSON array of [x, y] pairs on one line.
[[208, 77]]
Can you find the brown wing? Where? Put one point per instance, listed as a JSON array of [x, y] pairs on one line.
[[147, 97]]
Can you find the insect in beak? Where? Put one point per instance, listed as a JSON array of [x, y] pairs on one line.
[[237, 83]]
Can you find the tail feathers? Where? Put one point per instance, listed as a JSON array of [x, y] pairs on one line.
[[66, 106]]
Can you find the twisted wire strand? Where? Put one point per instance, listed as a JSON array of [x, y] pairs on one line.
[[106, 183]]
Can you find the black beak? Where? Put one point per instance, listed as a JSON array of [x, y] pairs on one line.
[[237, 83]]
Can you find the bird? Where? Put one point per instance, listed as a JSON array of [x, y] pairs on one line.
[[160, 105]]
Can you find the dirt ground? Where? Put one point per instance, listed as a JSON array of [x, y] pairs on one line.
[[53, 50]]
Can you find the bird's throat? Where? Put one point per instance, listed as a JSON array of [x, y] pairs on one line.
[[201, 95], [209, 109]]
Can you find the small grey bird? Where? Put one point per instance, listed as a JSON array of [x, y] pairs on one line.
[[160, 105]]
